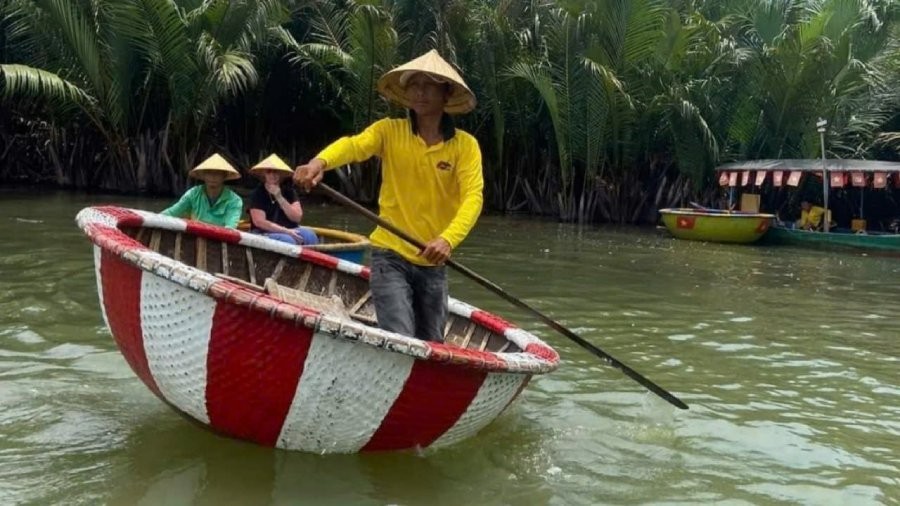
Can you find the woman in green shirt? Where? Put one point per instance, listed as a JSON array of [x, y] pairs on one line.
[[211, 202]]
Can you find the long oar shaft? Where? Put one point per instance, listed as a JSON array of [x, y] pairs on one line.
[[609, 359]]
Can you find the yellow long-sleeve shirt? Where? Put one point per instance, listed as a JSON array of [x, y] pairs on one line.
[[811, 218], [426, 191]]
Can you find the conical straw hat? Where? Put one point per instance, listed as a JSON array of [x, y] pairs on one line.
[[215, 162], [392, 84], [272, 162]]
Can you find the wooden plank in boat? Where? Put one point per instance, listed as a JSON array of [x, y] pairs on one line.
[[155, 239], [251, 267], [484, 342], [201, 253], [362, 300], [176, 253], [304, 279], [279, 267], [468, 335], [225, 258]]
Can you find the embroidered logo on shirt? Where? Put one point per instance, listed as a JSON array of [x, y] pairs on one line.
[[443, 165]]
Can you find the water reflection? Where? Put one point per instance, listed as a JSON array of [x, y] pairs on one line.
[[167, 460]]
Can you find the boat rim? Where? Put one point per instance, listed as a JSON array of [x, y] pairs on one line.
[[720, 214]]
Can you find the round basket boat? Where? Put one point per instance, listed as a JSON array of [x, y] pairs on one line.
[[276, 344], [713, 225]]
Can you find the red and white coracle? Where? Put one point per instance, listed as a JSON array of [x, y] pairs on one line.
[[255, 368]]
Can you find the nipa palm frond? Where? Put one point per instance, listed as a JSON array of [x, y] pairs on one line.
[[22, 81]]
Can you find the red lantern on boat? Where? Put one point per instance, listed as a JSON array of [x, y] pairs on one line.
[[879, 180], [858, 179], [760, 177], [745, 178], [777, 177], [837, 179], [723, 178], [732, 179], [794, 178]]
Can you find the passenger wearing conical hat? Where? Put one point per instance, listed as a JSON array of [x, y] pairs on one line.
[[431, 188], [211, 202], [275, 210]]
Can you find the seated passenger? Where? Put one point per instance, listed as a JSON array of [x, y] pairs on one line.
[[275, 210], [810, 216], [211, 202]]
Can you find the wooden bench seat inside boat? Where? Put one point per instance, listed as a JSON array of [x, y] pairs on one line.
[[332, 305]]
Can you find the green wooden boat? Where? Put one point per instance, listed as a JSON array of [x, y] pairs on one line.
[[830, 238], [835, 238]]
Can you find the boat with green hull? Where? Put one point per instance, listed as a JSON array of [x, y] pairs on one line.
[[840, 238], [834, 173]]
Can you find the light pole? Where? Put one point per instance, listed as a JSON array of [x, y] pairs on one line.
[[820, 126]]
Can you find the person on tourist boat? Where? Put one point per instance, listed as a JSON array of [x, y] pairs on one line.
[[431, 188], [810, 216], [211, 202], [275, 210]]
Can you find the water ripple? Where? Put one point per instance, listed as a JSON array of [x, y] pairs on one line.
[[788, 359]]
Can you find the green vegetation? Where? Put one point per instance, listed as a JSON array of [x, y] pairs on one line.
[[589, 110]]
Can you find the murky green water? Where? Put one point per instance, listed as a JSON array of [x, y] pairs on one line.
[[789, 359]]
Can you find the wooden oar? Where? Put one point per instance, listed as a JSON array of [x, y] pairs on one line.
[[609, 359]]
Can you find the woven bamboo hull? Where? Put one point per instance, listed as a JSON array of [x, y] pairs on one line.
[[250, 366]]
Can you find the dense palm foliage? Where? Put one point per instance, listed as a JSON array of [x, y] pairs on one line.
[[142, 78], [589, 110]]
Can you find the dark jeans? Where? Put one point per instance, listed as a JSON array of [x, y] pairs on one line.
[[409, 299]]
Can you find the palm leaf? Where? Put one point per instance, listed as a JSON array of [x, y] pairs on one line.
[[540, 78], [22, 81], [80, 37], [172, 52]]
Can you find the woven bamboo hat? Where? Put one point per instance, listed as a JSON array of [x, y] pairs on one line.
[[392, 84], [272, 162], [214, 163]]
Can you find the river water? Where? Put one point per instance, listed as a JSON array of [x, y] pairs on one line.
[[789, 360]]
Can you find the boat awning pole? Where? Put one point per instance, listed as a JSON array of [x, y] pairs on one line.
[[820, 126]]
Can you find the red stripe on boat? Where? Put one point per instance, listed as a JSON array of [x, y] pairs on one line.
[[541, 350], [208, 231], [490, 321], [122, 301], [434, 397], [253, 368], [124, 217], [319, 258], [456, 355]]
